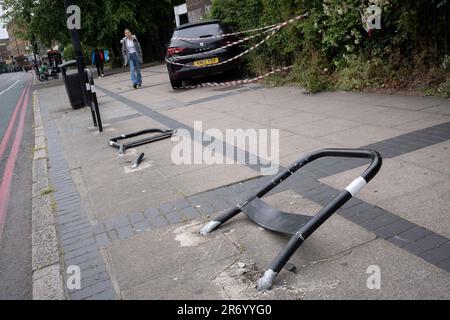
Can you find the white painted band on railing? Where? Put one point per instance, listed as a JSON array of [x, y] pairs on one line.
[[356, 186]]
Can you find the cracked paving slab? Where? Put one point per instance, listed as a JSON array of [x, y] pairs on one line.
[[177, 263]]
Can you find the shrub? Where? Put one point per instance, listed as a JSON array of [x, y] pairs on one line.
[[331, 49], [310, 72], [356, 73], [443, 90]]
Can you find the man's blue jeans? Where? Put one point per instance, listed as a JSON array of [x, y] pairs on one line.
[[135, 69]]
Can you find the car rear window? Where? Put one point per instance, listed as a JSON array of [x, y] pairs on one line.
[[204, 30]]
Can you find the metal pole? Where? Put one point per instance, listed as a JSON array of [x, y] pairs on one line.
[[446, 28], [436, 30], [93, 102], [74, 34], [35, 49], [18, 51], [96, 108], [88, 77]]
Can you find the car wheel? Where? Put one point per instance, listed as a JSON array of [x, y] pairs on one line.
[[238, 71], [176, 84]]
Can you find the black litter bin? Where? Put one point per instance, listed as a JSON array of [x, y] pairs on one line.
[[73, 84]]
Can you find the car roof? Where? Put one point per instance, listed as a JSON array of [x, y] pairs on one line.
[[195, 24]]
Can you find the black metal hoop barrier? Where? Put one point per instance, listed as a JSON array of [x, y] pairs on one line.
[[299, 226], [92, 94], [163, 134]]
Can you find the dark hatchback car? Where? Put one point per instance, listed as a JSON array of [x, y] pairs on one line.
[[195, 52]]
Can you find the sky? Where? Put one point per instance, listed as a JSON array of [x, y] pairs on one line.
[[3, 33]]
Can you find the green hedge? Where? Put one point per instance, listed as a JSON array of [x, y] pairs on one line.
[[331, 50]]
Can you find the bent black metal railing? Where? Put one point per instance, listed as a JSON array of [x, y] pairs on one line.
[[163, 134], [299, 226]]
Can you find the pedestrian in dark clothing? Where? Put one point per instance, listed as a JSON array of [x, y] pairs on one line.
[[98, 61]]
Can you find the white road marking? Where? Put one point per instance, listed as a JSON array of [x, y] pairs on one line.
[[9, 87]]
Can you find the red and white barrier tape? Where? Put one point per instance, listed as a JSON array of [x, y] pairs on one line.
[[246, 31], [236, 82], [228, 60], [272, 31], [226, 34], [230, 44]]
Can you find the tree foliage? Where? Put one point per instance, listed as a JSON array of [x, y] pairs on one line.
[[102, 22]]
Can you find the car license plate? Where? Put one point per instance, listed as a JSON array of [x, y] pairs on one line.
[[206, 62]]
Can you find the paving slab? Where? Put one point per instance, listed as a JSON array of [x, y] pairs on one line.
[[431, 120], [333, 237], [361, 136], [172, 263], [146, 220], [394, 179], [212, 177], [320, 128], [332, 264], [435, 158], [403, 276], [412, 102], [427, 207], [443, 109], [270, 116]]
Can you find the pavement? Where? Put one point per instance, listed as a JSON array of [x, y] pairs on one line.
[[134, 233]]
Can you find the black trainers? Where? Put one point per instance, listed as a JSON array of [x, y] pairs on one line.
[[140, 85], [135, 86]]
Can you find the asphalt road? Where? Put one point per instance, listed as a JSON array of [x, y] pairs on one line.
[[15, 188]]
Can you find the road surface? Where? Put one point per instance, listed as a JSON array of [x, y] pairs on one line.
[[16, 149]]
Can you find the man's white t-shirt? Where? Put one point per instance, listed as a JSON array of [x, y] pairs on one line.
[[130, 46]]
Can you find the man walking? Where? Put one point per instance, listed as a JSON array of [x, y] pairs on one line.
[[132, 55]]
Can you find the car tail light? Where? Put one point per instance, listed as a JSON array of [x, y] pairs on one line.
[[174, 51], [226, 42]]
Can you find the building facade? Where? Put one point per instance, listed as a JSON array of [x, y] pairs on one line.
[[17, 47], [197, 8], [4, 50], [181, 14]]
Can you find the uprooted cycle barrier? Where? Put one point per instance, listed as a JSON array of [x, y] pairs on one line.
[[137, 161], [298, 225], [161, 134]]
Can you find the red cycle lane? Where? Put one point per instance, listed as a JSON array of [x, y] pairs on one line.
[[8, 172]]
